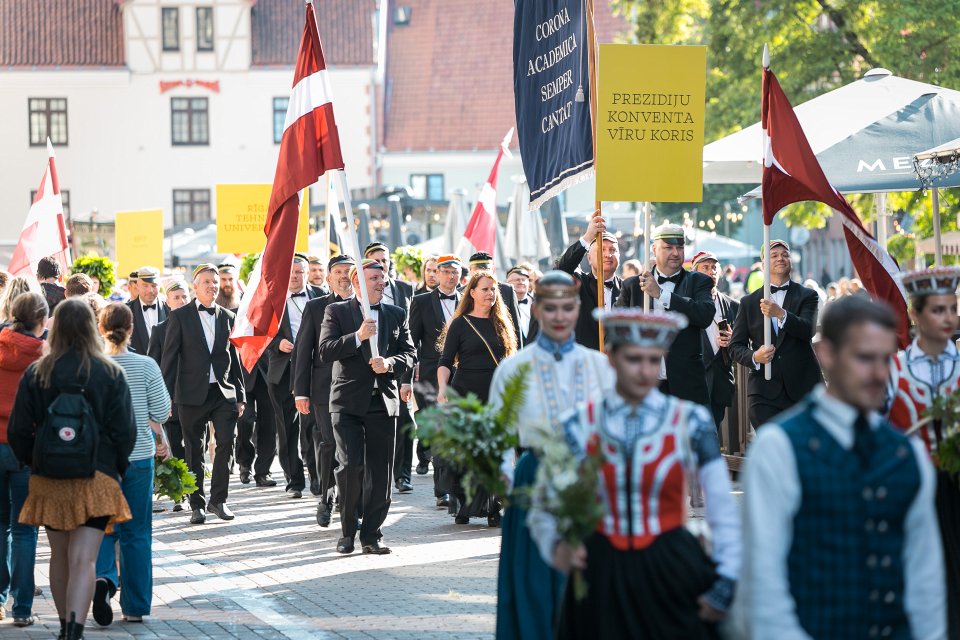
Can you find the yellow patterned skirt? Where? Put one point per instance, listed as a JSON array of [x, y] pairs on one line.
[[68, 504]]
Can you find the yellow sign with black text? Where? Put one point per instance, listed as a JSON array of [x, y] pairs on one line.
[[241, 214], [139, 240], [650, 111]]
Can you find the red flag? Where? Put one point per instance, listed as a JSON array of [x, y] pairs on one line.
[[791, 173], [481, 231], [309, 148], [44, 232]]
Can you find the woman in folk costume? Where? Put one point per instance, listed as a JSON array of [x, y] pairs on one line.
[[648, 576], [927, 369], [561, 373]]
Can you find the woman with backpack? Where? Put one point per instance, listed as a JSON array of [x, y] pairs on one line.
[[20, 345], [151, 406], [73, 424]]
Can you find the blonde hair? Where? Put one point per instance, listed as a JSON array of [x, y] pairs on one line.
[[14, 288]]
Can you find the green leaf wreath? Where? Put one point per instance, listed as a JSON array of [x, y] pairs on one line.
[[408, 258], [474, 436], [97, 267], [172, 479], [946, 409]]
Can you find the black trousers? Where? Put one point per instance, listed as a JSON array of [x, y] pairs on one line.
[[426, 395], [403, 451], [193, 420], [763, 409], [175, 436], [308, 439], [288, 434], [365, 446], [325, 447], [718, 411], [257, 432]]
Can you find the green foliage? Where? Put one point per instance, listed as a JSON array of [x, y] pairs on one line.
[[408, 258], [946, 409], [903, 248], [473, 435], [172, 479], [97, 267], [247, 264]]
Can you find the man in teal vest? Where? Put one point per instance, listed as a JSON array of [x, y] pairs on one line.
[[840, 517]]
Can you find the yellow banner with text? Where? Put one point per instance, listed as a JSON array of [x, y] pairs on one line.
[[241, 214], [139, 240]]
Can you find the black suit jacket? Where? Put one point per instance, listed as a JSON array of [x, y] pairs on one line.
[[420, 290], [402, 293], [278, 362], [794, 369], [353, 378], [533, 329], [426, 324], [322, 290], [691, 297], [587, 328], [140, 340], [311, 375], [719, 365], [186, 360]]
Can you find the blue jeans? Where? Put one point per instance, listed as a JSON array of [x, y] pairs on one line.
[[136, 543], [18, 542]]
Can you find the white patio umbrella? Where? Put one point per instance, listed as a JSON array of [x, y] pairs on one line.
[[721, 246], [456, 222], [526, 236]]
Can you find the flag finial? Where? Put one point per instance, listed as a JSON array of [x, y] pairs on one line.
[[766, 57]]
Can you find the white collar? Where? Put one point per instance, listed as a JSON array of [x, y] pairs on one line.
[[836, 413], [615, 403], [915, 353]]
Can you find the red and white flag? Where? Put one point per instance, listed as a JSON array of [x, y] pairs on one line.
[[309, 148], [791, 173], [481, 231], [44, 232]]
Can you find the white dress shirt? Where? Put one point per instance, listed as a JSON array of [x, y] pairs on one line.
[[209, 323], [150, 316], [777, 323], [772, 499], [662, 304], [388, 293], [524, 307], [295, 305], [448, 306], [713, 331]]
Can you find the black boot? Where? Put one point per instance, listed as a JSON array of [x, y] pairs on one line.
[[63, 630], [74, 628]]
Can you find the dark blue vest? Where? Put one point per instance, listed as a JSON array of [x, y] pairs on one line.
[[845, 565]]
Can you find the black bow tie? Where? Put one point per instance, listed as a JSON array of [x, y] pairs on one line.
[[608, 284], [675, 278], [774, 289], [375, 307], [524, 301], [150, 306], [452, 296], [302, 294], [210, 310]]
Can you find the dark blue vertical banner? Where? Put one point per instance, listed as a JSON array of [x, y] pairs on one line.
[[550, 73]]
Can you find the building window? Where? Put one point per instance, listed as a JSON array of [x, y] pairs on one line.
[[170, 23], [427, 186], [279, 118], [204, 28], [191, 205], [48, 117], [64, 196], [190, 121]]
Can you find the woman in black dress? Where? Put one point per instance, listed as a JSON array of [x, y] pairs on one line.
[[480, 335]]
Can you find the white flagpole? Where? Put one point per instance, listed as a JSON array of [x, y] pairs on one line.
[[646, 249], [354, 250], [767, 327]]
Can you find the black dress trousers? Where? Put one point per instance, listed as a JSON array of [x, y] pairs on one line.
[[325, 447], [193, 420], [288, 434], [257, 432]]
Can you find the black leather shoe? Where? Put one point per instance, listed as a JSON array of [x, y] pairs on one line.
[[245, 476], [423, 468], [294, 493], [376, 549], [345, 545], [323, 514], [265, 481], [462, 519], [102, 611], [443, 501], [198, 517], [222, 511], [178, 507], [315, 487], [404, 486], [494, 520]]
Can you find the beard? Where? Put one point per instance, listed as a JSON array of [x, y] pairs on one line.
[[227, 300]]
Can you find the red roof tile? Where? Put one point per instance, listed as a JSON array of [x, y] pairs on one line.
[[69, 33], [450, 74], [346, 31]]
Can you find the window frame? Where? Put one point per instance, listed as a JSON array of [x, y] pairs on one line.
[[213, 36], [192, 202], [189, 111], [278, 126], [165, 11], [47, 114], [426, 184], [64, 198]]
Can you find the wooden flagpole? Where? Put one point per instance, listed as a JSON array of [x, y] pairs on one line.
[[592, 60]]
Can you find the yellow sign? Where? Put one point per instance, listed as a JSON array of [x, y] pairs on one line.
[[650, 112], [241, 214], [139, 240]]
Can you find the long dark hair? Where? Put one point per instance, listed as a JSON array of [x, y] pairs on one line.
[[116, 325], [28, 311], [502, 324], [74, 329]]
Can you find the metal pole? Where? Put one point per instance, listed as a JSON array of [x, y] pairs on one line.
[[882, 220], [646, 249], [937, 240], [767, 328]]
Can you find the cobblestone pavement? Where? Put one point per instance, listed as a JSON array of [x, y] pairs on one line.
[[273, 573]]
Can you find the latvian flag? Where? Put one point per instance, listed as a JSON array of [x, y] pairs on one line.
[[309, 148], [44, 232], [481, 231]]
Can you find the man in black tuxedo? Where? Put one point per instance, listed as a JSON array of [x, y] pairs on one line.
[[317, 276], [588, 332], [256, 446], [148, 309], [519, 279], [365, 402], [202, 372], [177, 296], [673, 288], [279, 380], [716, 339], [398, 293], [792, 313], [312, 378], [483, 261], [428, 275], [429, 314]]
